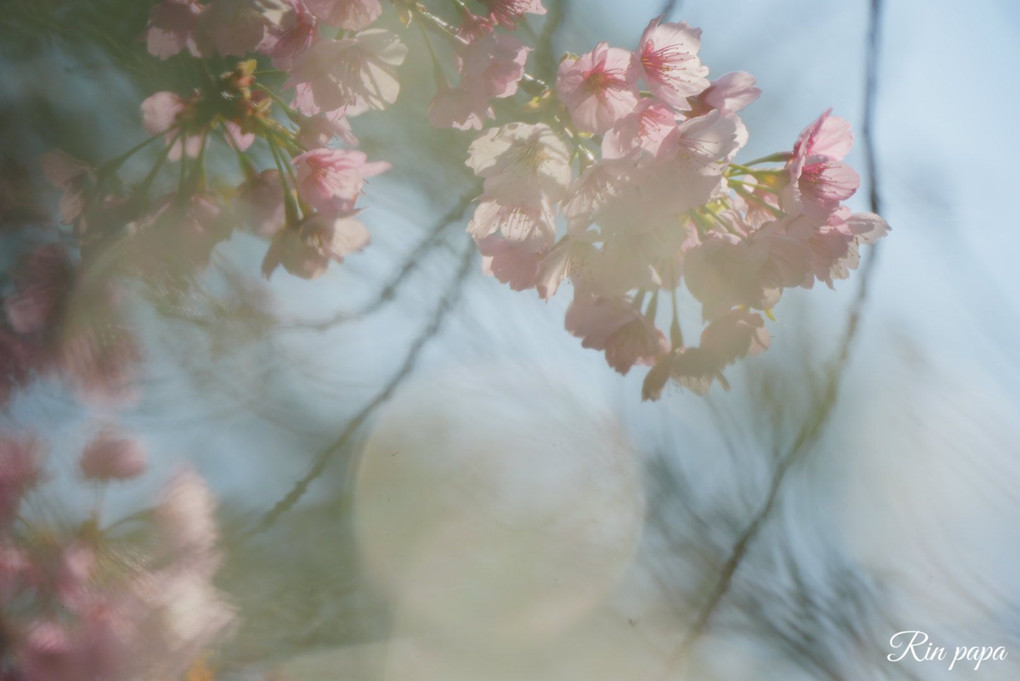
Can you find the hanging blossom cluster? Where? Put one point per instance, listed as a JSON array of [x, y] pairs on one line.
[[306, 200], [59, 325], [130, 601], [619, 177], [631, 192]]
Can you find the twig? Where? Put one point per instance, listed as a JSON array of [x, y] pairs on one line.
[[389, 290], [813, 428], [545, 60], [670, 7], [322, 459]]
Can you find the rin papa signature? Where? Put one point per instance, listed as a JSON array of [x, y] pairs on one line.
[[916, 645]]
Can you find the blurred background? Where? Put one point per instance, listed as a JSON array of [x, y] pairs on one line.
[[486, 499]]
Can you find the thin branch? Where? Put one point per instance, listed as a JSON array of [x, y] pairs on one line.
[[322, 459], [670, 7], [870, 99], [386, 294], [812, 429], [544, 55]]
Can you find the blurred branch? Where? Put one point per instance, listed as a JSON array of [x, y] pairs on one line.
[[446, 304], [670, 7], [870, 99], [815, 424], [545, 60], [431, 240]]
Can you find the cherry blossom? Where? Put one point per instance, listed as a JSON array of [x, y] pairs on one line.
[[599, 87], [306, 250], [330, 180], [668, 59], [350, 15], [508, 12], [730, 93], [352, 72], [295, 33], [112, 456], [173, 27], [166, 113]]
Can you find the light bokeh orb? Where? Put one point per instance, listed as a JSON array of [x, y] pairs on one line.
[[495, 505]]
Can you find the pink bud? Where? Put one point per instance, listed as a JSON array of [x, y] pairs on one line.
[[112, 456]]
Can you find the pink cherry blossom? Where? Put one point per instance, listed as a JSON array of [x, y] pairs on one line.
[[643, 130], [460, 108], [319, 130], [236, 27], [48, 651], [495, 64], [818, 180], [16, 363], [491, 66], [162, 113], [112, 456], [20, 471], [708, 143], [574, 257], [508, 12], [185, 516], [173, 27], [292, 36], [42, 283], [735, 335], [353, 72], [350, 15], [828, 136], [473, 26], [602, 182], [615, 326], [528, 223], [236, 136], [513, 263], [693, 368], [330, 180], [100, 359], [179, 233], [668, 59], [74, 177], [519, 158], [260, 203], [731, 93], [721, 274], [599, 87], [305, 251]]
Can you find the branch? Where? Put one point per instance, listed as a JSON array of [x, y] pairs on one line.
[[545, 60], [446, 304], [811, 430], [387, 292], [670, 7]]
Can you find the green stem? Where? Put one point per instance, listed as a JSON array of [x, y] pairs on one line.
[[676, 336], [289, 202], [751, 197], [117, 161], [143, 188], [779, 157]]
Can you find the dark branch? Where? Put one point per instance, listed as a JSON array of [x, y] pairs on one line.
[[386, 294], [446, 304], [545, 60], [670, 7], [813, 428]]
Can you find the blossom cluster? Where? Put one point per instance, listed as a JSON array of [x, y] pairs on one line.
[[58, 324], [620, 177], [629, 192], [82, 601], [306, 202]]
